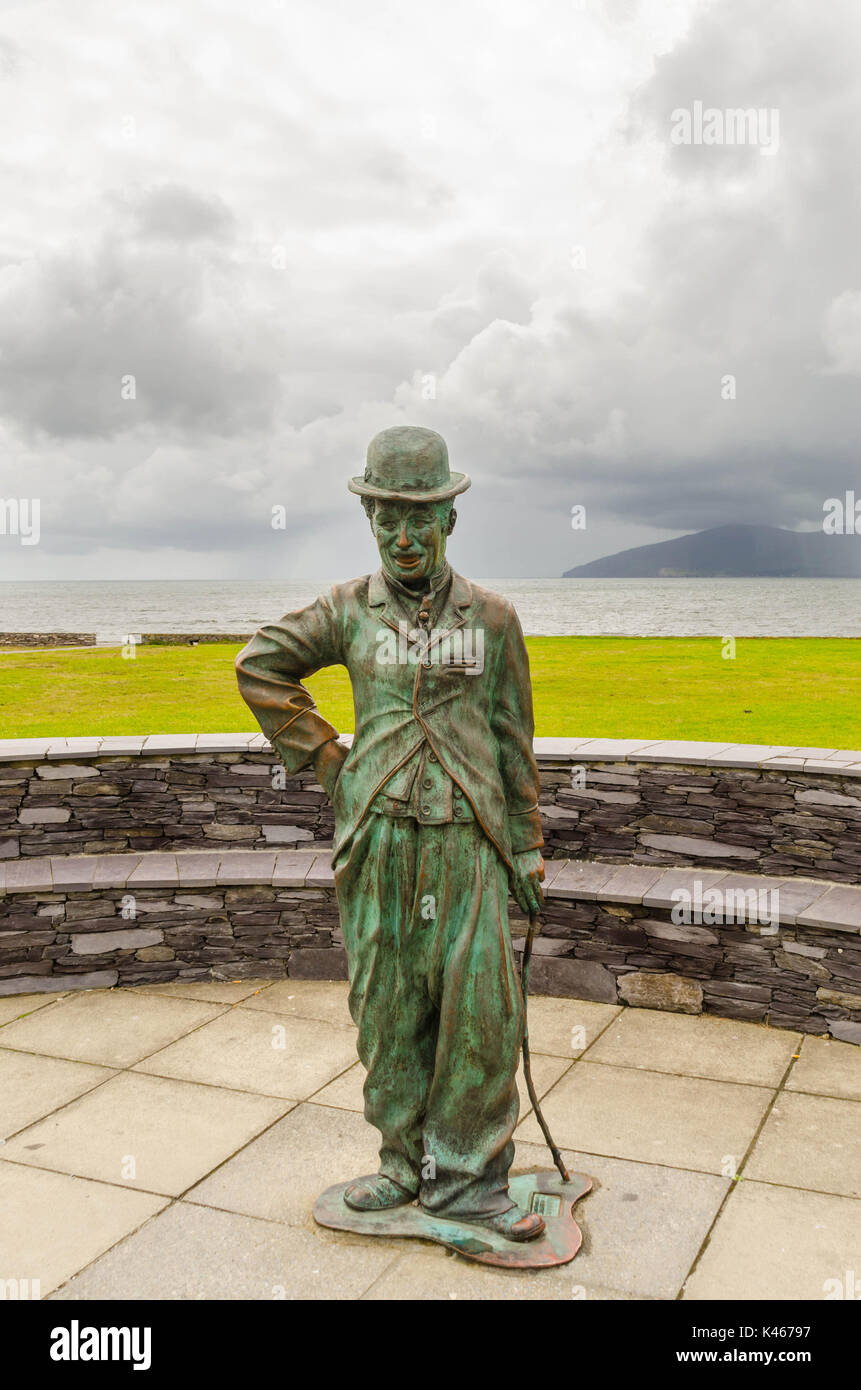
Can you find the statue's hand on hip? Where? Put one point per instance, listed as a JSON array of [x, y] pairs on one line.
[[526, 878], [328, 761]]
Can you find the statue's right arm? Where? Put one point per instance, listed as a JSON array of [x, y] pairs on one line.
[[270, 671]]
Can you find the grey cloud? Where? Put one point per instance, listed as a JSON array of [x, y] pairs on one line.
[[333, 270], [75, 325], [175, 213]]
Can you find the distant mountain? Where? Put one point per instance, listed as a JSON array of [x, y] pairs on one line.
[[744, 552]]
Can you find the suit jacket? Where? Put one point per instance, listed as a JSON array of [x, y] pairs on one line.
[[480, 726]]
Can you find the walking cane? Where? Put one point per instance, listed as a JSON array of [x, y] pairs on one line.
[[527, 1066]]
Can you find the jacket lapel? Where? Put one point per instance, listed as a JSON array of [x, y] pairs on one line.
[[385, 601], [453, 614]]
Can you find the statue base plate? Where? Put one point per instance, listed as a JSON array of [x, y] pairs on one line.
[[544, 1192]]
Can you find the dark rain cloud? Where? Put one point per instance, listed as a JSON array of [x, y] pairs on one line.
[[289, 245]]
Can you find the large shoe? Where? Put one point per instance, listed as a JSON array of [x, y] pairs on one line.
[[377, 1194], [513, 1224]]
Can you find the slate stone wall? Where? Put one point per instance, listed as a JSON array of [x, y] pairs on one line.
[[796, 977], [801, 978], [755, 820], [194, 801], [51, 941], [769, 821], [17, 640]]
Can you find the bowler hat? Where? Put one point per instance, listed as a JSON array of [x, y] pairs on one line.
[[408, 464]]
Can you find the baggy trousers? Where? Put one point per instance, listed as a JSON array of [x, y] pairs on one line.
[[435, 997]]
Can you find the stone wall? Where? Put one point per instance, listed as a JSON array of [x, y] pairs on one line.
[[766, 810], [89, 639], [763, 821], [52, 941], [47, 639], [127, 920], [799, 977]]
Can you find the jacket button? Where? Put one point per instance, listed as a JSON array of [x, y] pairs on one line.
[[458, 810], [427, 784], [426, 810], [457, 792], [431, 757]]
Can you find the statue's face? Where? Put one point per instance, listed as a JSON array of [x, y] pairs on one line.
[[411, 538]]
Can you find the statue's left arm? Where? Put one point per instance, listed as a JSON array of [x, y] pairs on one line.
[[270, 671], [513, 723]]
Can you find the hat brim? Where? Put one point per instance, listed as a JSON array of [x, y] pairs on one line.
[[459, 483]]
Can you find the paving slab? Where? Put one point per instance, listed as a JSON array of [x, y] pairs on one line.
[[566, 1027], [812, 1142], [292, 867], [321, 874], [682, 751], [778, 1242], [64, 748], [839, 910], [660, 893], [113, 870], [145, 1132], [32, 875], [31, 1086], [14, 1006], [642, 1224], [170, 743], [321, 999], [424, 1273], [53, 1225], [223, 743], [115, 744], [552, 869], [756, 882], [824, 1068], [73, 872], [795, 896], [197, 869], [697, 1045], [154, 871], [251, 1050], [630, 883], [657, 1107], [113, 1028], [14, 750], [678, 1121], [246, 866], [210, 991], [749, 754], [345, 1092], [280, 1175], [581, 879], [558, 749], [194, 1252], [615, 749]]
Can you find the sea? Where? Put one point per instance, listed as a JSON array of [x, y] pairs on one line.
[[547, 607]]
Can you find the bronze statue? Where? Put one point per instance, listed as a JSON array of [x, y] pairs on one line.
[[436, 814]]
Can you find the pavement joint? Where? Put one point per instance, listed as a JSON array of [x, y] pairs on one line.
[[739, 1175], [657, 1173]]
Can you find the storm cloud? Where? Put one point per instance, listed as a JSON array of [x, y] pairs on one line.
[[239, 241]]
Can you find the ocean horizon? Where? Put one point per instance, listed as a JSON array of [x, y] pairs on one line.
[[679, 607]]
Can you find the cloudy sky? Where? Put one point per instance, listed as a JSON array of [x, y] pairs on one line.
[[293, 224]]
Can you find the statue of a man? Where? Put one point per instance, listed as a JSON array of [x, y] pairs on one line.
[[436, 815]]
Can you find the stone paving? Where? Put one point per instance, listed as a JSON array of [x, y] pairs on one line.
[[169, 1141]]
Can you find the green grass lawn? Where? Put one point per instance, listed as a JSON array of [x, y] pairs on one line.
[[800, 690]]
